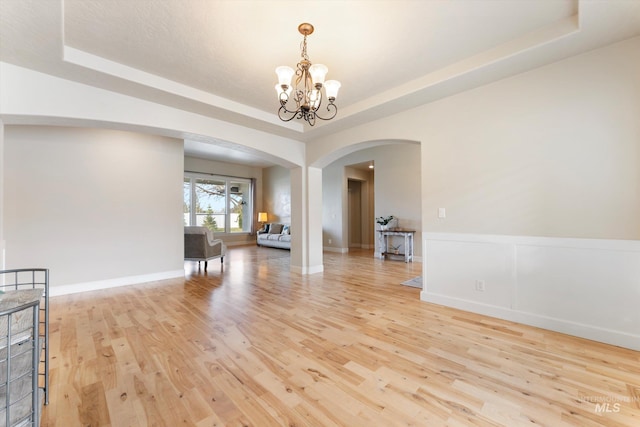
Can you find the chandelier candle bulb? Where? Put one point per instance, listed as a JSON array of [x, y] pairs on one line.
[[306, 92]]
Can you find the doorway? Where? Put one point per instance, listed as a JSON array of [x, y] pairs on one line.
[[354, 189], [360, 204]]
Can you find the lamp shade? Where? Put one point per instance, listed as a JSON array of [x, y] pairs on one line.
[[262, 217], [331, 87], [318, 73], [284, 75]]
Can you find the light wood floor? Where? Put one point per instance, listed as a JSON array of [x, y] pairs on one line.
[[257, 345]]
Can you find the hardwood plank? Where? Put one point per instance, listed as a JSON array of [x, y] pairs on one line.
[[93, 409], [257, 345]]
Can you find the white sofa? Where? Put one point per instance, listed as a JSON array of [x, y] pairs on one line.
[[200, 245], [275, 235]]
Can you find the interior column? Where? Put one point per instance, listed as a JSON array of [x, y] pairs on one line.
[[306, 220]]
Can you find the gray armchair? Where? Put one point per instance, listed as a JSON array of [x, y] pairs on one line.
[[200, 245]]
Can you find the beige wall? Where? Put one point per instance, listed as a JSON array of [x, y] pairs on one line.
[[92, 205], [551, 152], [277, 194]]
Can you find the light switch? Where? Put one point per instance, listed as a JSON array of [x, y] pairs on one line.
[[442, 213]]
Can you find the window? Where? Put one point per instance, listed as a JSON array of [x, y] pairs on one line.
[[222, 204]]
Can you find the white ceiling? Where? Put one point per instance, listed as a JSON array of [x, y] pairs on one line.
[[217, 58]]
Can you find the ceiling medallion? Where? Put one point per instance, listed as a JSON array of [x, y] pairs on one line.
[[307, 92]]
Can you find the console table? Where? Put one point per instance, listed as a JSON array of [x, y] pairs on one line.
[[384, 240]]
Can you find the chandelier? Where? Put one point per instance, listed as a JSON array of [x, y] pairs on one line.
[[307, 92]]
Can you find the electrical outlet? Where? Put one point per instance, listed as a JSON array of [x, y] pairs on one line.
[[480, 285], [330, 241]]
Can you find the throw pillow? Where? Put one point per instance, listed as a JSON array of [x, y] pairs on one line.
[[275, 228], [285, 230]]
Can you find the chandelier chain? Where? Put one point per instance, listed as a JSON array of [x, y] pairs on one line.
[[303, 49]]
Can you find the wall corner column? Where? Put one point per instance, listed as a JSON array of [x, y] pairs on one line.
[[306, 220]]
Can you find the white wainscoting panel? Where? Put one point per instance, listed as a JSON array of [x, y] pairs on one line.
[[584, 287], [471, 261]]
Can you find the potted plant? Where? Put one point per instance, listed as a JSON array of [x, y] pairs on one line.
[[384, 221]]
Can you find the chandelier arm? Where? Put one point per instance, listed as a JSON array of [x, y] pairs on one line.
[[330, 106], [298, 97], [300, 74], [311, 118], [282, 111], [283, 107]]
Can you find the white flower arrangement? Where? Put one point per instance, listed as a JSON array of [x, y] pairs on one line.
[[384, 220]]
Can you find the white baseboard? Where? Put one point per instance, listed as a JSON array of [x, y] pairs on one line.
[[415, 258], [345, 250], [307, 270], [230, 244], [362, 246], [608, 336], [113, 283], [337, 250]]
